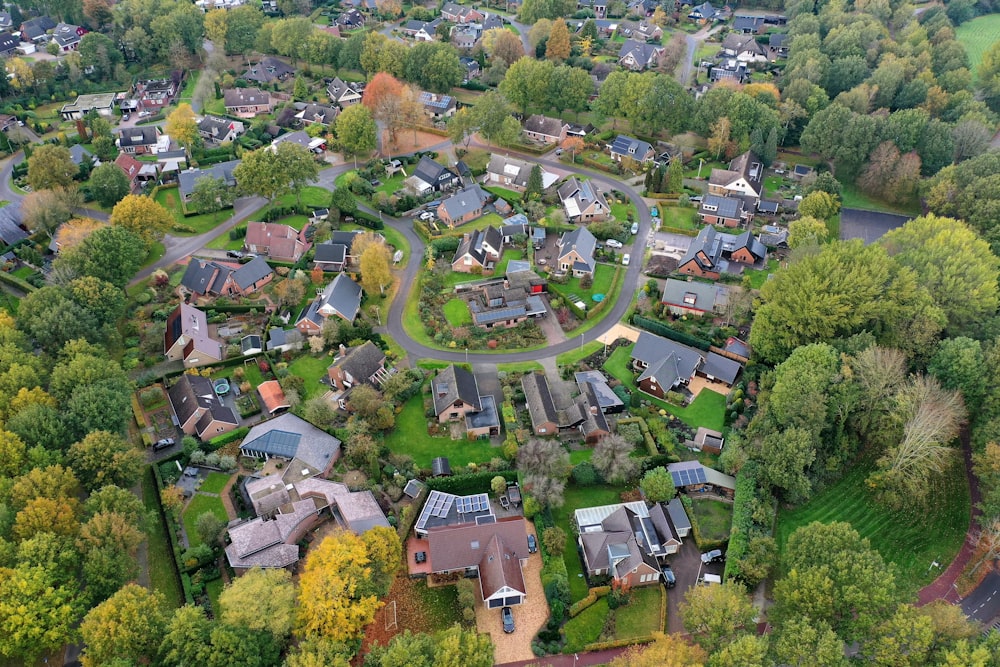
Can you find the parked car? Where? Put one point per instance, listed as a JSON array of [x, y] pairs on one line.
[[507, 615], [668, 577], [164, 443], [713, 556], [655, 212], [247, 256], [532, 544], [613, 243], [145, 114], [426, 215], [635, 228], [558, 151], [626, 259], [696, 199], [235, 254], [126, 116]]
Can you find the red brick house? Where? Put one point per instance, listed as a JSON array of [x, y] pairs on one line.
[[277, 241], [628, 542], [713, 253]]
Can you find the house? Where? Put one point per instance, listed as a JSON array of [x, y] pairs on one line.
[[583, 415], [438, 107], [625, 148], [421, 31], [692, 477], [272, 397], [139, 140], [576, 252], [102, 103], [342, 94], [713, 253], [745, 177], [638, 56], [188, 339], [6, 23], [479, 249], [300, 137], [705, 13], [774, 237], [541, 406], [599, 7], [582, 201], [607, 400], [251, 344], [594, 426], [693, 298], [737, 349], [318, 114], [513, 174], [507, 302], [464, 206], [768, 207], [518, 224], [725, 211], [289, 437], [472, 68], [284, 340], [335, 254], [341, 298], [268, 70], [36, 29], [247, 102], [431, 176], [625, 542], [745, 48], [663, 364], [171, 162], [731, 69], [138, 173], [352, 19], [466, 35], [749, 25], [155, 95], [361, 364], [277, 241], [219, 130], [461, 14], [198, 410], [78, 154], [187, 179], [8, 44], [455, 393], [67, 36], [209, 278], [544, 129], [777, 45], [11, 229], [649, 32], [578, 130]]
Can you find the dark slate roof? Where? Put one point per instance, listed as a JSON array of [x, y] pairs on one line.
[[344, 296], [726, 207], [737, 346], [541, 407], [486, 417], [583, 241], [747, 22], [721, 368], [465, 201], [267, 70], [642, 52], [678, 516], [10, 224], [8, 42], [776, 40], [636, 148], [431, 172], [253, 271], [224, 170], [278, 337], [36, 27], [694, 295], [766, 206], [198, 277], [362, 361], [475, 243], [667, 361], [606, 398], [594, 419], [454, 383], [138, 136], [241, 97], [543, 125], [191, 393], [330, 253]]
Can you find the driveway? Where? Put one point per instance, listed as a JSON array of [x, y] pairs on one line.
[[686, 564], [528, 617], [672, 243]]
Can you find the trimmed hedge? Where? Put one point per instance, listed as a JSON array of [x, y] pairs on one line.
[[19, 283], [463, 485], [615, 281], [154, 470], [596, 593], [661, 329], [743, 527], [646, 435], [137, 412], [226, 438]]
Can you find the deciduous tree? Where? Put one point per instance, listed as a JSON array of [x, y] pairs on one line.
[[105, 458], [211, 195], [658, 485], [142, 216], [35, 615], [717, 615], [45, 210], [50, 166], [182, 126], [109, 184], [557, 47], [356, 131], [613, 459], [665, 651], [261, 600], [129, 625], [376, 268]]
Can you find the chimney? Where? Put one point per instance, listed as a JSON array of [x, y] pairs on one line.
[[343, 350]]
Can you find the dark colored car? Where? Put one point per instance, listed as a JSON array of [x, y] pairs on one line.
[[236, 254], [507, 614], [163, 444], [532, 544], [420, 557], [713, 556], [668, 577]]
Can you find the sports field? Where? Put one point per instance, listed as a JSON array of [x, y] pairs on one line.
[[977, 36]]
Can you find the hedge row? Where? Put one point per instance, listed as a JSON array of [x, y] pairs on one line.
[[137, 412], [463, 485], [154, 470], [646, 435], [679, 230], [409, 519], [594, 164], [596, 593], [615, 281], [19, 283], [618, 643], [703, 544], [661, 329], [239, 308], [743, 524], [226, 438]]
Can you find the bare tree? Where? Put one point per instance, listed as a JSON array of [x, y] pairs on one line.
[[880, 372], [988, 540], [548, 491], [543, 457], [612, 458]]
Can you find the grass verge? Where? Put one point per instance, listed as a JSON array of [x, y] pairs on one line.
[[162, 575]]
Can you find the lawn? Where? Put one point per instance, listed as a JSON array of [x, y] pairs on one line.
[[170, 199], [586, 627], [580, 455], [577, 355], [603, 277], [478, 223], [759, 276], [622, 211], [311, 196], [311, 369], [708, 409], [162, 575], [706, 168], [510, 196], [214, 590], [199, 505], [520, 367], [714, 518], [410, 437], [912, 538], [852, 197], [456, 311], [223, 242], [576, 497], [156, 251], [677, 217], [641, 616], [977, 36], [215, 482], [253, 375], [214, 106]]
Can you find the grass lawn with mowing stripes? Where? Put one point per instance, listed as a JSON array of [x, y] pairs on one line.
[[911, 538], [215, 482], [198, 506], [456, 311], [977, 36]]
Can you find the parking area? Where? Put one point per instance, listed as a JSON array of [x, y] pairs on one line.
[[671, 243], [869, 226]]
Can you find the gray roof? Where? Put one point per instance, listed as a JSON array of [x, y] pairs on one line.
[[77, 153], [740, 43], [186, 179], [66, 34], [253, 271], [712, 249], [343, 295], [319, 113], [242, 97], [541, 407], [693, 295], [362, 361], [214, 126], [577, 196], [593, 413], [667, 361], [191, 393], [606, 398], [726, 207], [643, 53], [629, 146], [776, 40], [678, 516], [200, 274], [433, 173], [288, 437], [8, 42], [581, 240], [36, 27], [544, 125], [486, 417], [277, 337], [452, 384], [267, 70], [474, 244], [139, 136], [721, 368], [10, 224], [330, 253], [747, 22], [465, 201]]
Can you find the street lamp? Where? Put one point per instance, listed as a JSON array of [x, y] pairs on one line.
[[581, 341], [466, 355]]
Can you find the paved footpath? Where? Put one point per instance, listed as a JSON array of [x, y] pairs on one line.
[[575, 660]]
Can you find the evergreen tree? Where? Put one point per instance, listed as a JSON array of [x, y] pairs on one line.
[[534, 188]]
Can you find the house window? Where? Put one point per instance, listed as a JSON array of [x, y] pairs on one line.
[[690, 298]]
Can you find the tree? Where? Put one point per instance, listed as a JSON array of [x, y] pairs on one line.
[[382, 97], [376, 268], [105, 458], [12, 454], [108, 542], [129, 625], [262, 601], [613, 459], [804, 643], [960, 364], [904, 639], [574, 145], [717, 615], [806, 231], [533, 190], [658, 485], [35, 616], [718, 141], [289, 292], [557, 46], [115, 500], [50, 166], [554, 540], [215, 26], [44, 210], [547, 490], [210, 195], [543, 457], [819, 205], [20, 74], [540, 29], [47, 515], [98, 13], [787, 456], [142, 216], [186, 637], [385, 555], [242, 25], [336, 597], [356, 131], [526, 82], [112, 254], [109, 184], [957, 268], [665, 651], [502, 44], [209, 528], [182, 126]]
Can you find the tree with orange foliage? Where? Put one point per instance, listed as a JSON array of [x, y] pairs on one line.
[[382, 97], [574, 145], [665, 651], [761, 91]]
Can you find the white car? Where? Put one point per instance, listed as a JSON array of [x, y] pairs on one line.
[[612, 243], [625, 259], [426, 215], [635, 228]]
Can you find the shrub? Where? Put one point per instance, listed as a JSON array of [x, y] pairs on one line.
[[585, 474]]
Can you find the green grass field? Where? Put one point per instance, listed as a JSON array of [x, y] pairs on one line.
[[641, 616], [912, 538], [170, 199], [714, 518], [215, 482], [199, 505], [161, 569], [214, 590], [853, 197], [520, 367], [508, 255], [679, 217], [311, 369], [410, 437], [757, 277], [456, 311], [603, 277], [510, 196], [577, 355], [977, 36], [575, 498], [312, 196], [586, 627]]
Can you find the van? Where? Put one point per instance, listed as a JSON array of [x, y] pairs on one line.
[[711, 579]]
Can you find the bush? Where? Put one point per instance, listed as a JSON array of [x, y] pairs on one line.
[[238, 232], [226, 438], [585, 474]]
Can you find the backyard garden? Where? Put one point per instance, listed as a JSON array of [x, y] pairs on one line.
[[411, 437]]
